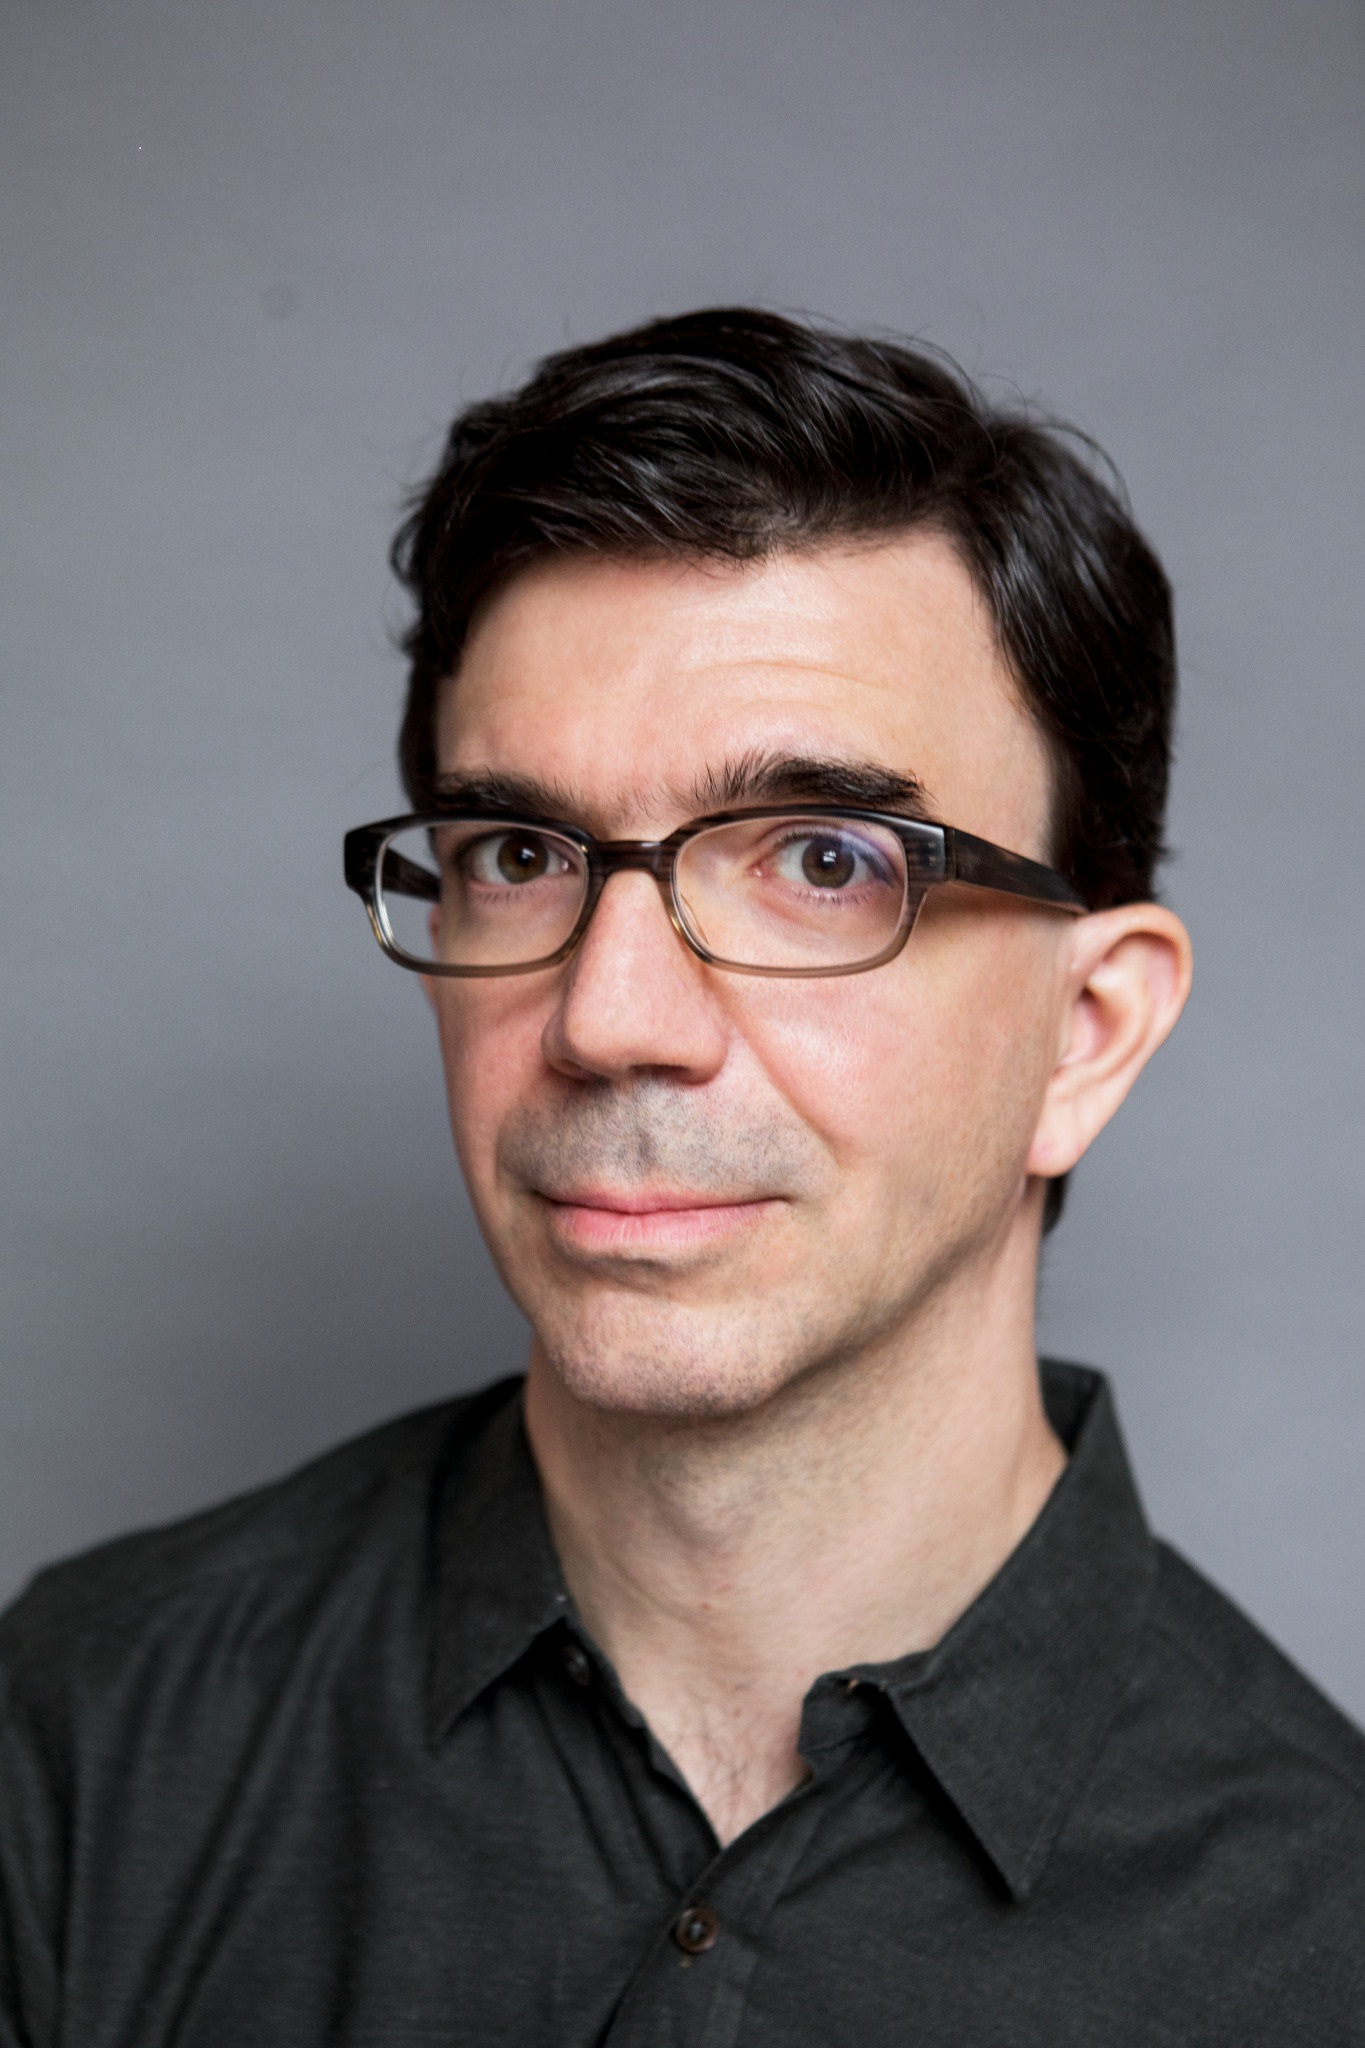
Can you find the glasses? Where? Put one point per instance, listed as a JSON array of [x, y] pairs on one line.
[[798, 890]]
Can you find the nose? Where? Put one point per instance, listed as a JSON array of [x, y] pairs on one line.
[[635, 999]]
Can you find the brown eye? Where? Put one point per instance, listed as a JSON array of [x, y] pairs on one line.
[[827, 863], [522, 858], [516, 856]]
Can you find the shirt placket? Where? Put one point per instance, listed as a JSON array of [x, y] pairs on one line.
[[691, 1987]]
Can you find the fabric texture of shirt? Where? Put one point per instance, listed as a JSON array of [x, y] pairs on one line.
[[336, 1765]]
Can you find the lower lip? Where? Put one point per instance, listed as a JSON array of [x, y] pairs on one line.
[[652, 1230]]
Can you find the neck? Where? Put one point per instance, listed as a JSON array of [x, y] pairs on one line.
[[724, 1564]]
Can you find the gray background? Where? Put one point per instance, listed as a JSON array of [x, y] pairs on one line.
[[253, 256]]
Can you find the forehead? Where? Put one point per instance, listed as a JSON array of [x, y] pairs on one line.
[[620, 685]]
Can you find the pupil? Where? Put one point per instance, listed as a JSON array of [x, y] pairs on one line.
[[521, 860], [827, 864]]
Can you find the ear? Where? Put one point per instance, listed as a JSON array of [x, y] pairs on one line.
[[1126, 979]]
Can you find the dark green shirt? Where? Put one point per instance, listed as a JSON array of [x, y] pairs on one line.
[[336, 1764]]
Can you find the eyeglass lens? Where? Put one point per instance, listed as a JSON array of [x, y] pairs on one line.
[[788, 892]]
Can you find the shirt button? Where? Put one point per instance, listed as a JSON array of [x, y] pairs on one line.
[[695, 1930], [576, 1664]]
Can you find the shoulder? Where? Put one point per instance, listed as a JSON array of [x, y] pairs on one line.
[[1240, 1779], [1238, 1786], [1248, 1686], [357, 1500]]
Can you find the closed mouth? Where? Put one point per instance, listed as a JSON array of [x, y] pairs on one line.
[[618, 1220]]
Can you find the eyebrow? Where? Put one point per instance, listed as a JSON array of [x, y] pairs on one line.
[[499, 795], [769, 778], [756, 777]]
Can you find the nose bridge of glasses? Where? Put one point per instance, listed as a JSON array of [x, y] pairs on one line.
[[635, 856], [655, 857]]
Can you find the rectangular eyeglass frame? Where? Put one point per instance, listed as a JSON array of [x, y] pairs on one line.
[[935, 856]]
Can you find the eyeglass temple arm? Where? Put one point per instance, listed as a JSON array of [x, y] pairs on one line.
[[402, 877], [969, 859]]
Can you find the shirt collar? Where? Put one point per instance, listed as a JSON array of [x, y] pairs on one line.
[[498, 1581], [1008, 1711]]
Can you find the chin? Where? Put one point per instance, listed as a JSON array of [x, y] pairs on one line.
[[668, 1364]]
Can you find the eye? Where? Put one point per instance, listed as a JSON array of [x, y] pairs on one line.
[[513, 857], [832, 860]]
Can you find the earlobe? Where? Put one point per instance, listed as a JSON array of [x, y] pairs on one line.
[[1126, 982]]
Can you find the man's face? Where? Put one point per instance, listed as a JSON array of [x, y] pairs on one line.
[[701, 1185]]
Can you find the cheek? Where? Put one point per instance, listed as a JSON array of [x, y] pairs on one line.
[[490, 1034], [861, 1061], [905, 1068]]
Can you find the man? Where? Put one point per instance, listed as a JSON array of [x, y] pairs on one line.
[[788, 1662]]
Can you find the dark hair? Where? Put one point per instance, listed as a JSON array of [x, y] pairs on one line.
[[733, 433]]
